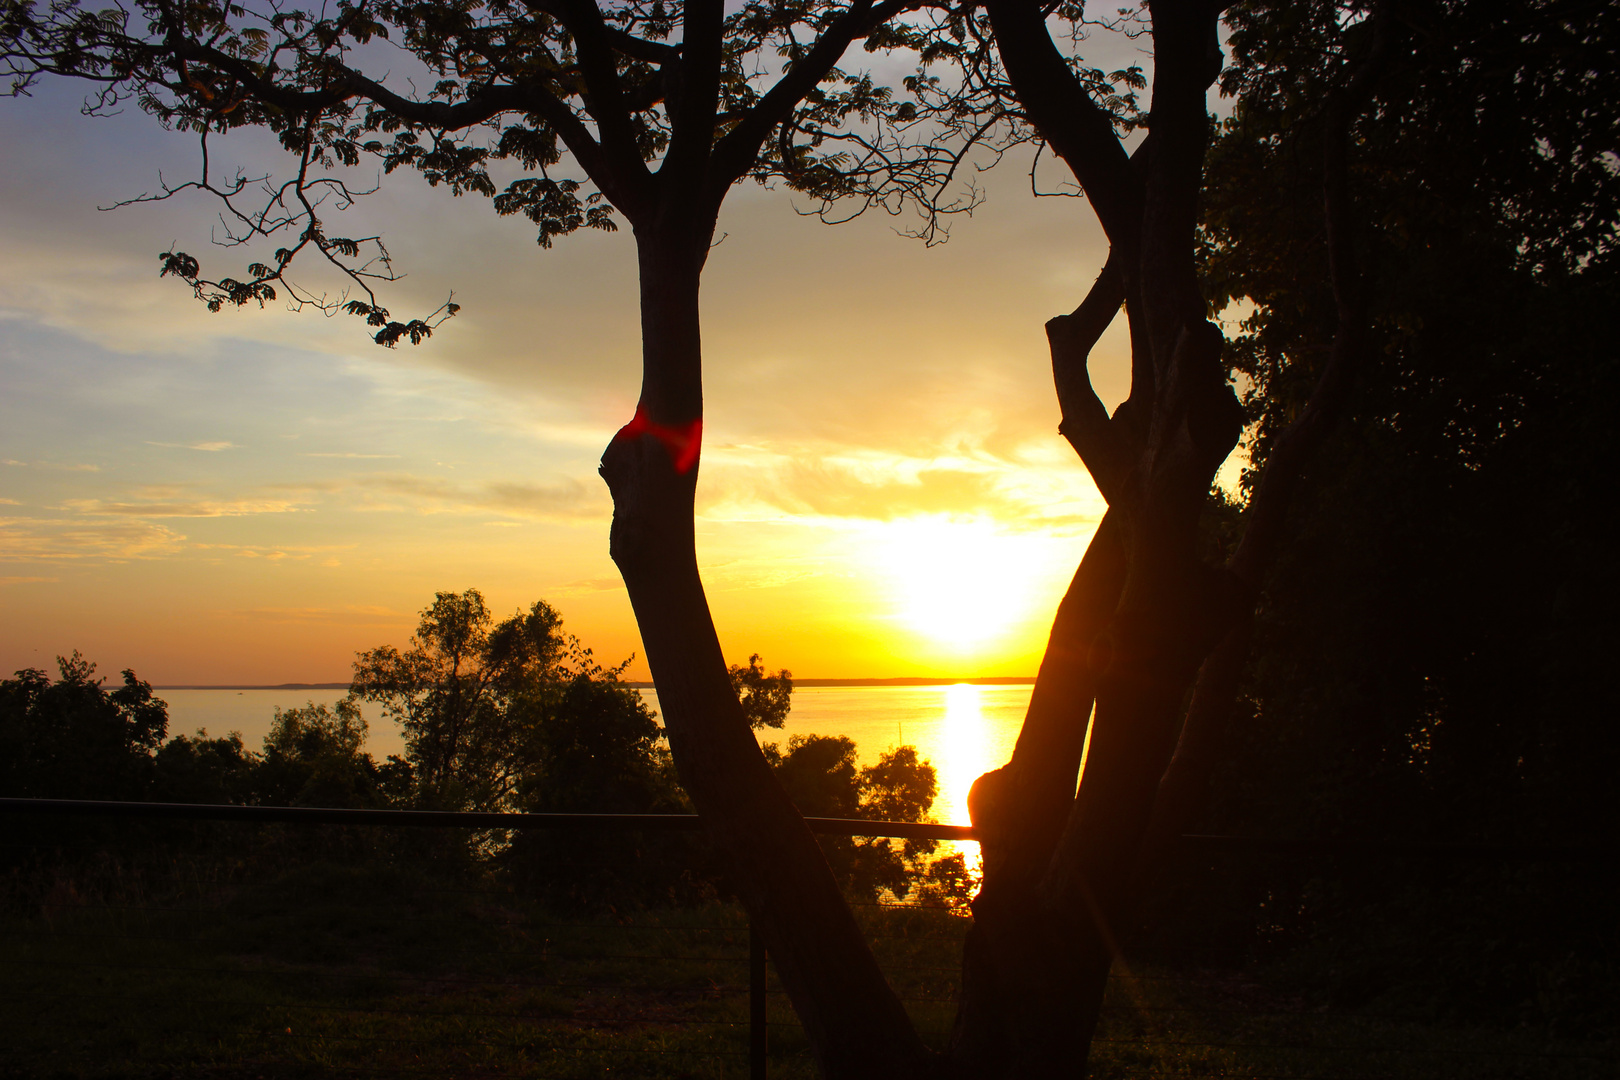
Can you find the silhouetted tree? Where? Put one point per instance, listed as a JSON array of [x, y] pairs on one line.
[[198, 768], [588, 743], [453, 690], [1429, 647], [1149, 645], [766, 699], [1065, 856], [314, 755], [1403, 623], [822, 776], [663, 109], [75, 739]]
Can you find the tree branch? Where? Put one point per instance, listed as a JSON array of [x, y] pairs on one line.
[[1187, 59], [1085, 422], [693, 108], [1079, 130], [738, 148], [604, 98], [638, 48]]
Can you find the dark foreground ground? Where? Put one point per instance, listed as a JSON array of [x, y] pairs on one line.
[[332, 969]]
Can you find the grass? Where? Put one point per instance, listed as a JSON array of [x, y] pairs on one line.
[[331, 969]]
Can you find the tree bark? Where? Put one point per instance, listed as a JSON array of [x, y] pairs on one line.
[[856, 1026], [1142, 612], [1019, 999], [1185, 786], [1019, 1002]]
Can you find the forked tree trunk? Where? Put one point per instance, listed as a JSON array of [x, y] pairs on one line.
[[1062, 864], [1031, 976], [856, 1025], [1143, 618], [1142, 612]]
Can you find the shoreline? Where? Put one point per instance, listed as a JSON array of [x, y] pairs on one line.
[[991, 680]]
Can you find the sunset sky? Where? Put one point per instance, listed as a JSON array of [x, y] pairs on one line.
[[250, 497]]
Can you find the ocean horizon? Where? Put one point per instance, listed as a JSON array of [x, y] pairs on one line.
[[899, 680], [963, 727]]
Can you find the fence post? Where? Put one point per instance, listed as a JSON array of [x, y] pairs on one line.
[[756, 1005]]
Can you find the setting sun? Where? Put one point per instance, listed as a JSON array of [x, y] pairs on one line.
[[963, 585]]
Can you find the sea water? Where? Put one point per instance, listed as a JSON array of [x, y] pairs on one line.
[[962, 730]]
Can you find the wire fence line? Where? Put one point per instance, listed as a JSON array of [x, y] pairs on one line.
[[374, 973]]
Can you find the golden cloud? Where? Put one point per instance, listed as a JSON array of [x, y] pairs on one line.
[[1019, 490], [157, 506], [42, 539], [568, 499], [210, 447]]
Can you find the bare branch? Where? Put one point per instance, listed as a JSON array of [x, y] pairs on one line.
[[737, 149], [1077, 128], [1086, 423]]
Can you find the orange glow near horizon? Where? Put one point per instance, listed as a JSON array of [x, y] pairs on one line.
[[252, 497]]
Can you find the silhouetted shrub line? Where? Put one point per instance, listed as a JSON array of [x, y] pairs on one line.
[[307, 973], [913, 830], [1342, 848], [442, 1014], [439, 1043], [462, 819], [511, 728]]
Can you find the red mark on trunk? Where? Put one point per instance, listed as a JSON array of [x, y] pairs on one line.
[[683, 442]]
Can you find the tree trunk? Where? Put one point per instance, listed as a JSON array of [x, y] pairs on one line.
[[1050, 915], [856, 1026], [1023, 992]]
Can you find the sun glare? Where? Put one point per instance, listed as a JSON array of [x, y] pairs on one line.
[[966, 751], [960, 584]]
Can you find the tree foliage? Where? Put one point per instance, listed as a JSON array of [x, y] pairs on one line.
[[75, 739], [314, 755], [454, 689], [560, 112], [824, 778], [1430, 647], [1486, 165], [766, 699], [1405, 637], [590, 744]]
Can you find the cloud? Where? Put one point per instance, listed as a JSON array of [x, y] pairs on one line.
[[211, 447], [156, 506], [9, 502], [1026, 489], [62, 465], [348, 455], [348, 614], [4, 581], [759, 573], [569, 499], [306, 487], [39, 539], [278, 552]]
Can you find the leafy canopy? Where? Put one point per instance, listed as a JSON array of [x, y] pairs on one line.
[[74, 738], [453, 689], [582, 108]]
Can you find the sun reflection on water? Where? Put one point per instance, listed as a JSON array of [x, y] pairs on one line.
[[963, 749], [962, 754], [964, 731]]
